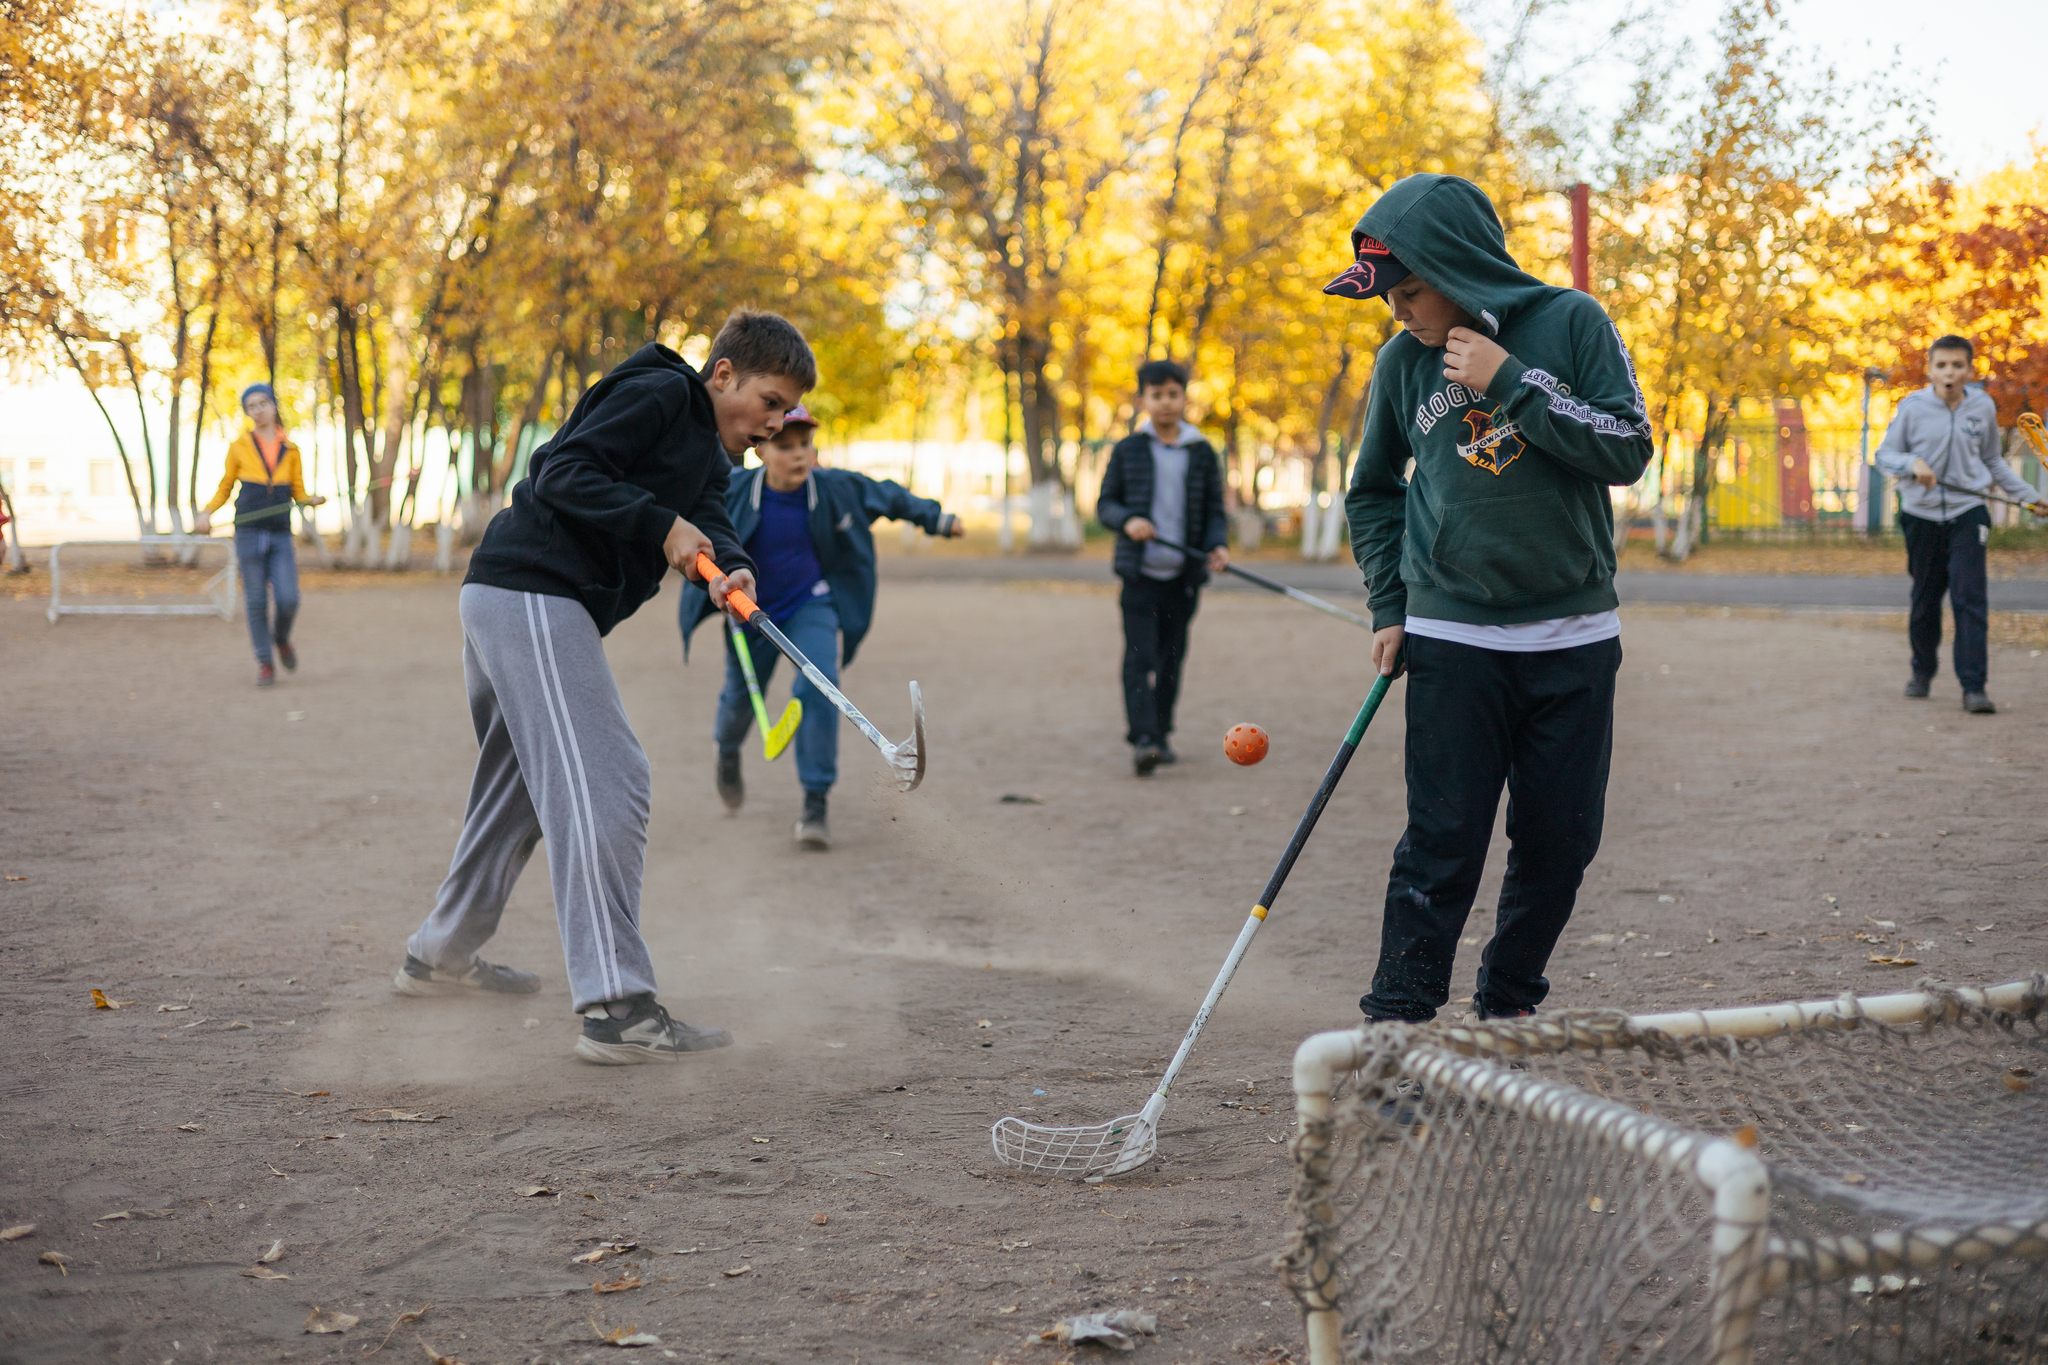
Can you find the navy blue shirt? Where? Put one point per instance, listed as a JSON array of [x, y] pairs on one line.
[[786, 563]]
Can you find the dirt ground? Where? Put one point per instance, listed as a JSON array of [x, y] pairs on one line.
[[240, 869]]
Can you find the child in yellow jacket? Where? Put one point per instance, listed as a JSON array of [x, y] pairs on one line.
[[266, 463]]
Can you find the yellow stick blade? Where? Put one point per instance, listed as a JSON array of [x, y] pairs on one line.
[[778, 736]]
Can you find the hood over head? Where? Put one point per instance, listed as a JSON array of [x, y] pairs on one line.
[[1444, 230]]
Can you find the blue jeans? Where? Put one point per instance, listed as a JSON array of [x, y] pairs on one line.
[[814, 630], [268, 569]]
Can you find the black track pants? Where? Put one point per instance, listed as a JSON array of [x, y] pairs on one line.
[[1156, 617], [1948, 557], [1542, 725]]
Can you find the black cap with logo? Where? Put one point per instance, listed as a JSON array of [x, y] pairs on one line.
[[1372, 274]]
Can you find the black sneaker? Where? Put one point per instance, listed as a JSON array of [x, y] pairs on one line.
[[1977, 704], [288, 656], [731, 790], [647, 1034], [417, 978], [1916, 688], [1167, 757], [1145, 758], [812, 831]]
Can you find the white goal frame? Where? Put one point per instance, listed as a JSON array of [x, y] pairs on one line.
[[1746, 1262], [222, 589]]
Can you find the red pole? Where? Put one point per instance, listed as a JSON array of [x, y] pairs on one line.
[[1582, 277]]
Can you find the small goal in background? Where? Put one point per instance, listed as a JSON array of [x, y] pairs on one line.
[[148, 576], [1846, 1180]]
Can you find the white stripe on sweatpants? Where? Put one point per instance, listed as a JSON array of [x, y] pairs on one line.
[[572, 763]]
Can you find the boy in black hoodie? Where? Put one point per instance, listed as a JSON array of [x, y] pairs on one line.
[[633, 484], [1163, 481], [1491, 577]]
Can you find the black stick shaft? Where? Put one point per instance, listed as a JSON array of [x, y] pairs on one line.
[[1323, 793], [1271, 586]]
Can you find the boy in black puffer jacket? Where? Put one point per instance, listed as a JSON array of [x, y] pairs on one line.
[[1491, 574], [1165, 481]]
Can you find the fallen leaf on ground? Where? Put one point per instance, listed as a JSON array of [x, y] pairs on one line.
[[403, 1318], [57, 1259], [1853, 1178], [1118, 1329], [592, 1257], [619, 1286], [624, 1336], [763, 1139], [1018, 799], [437, 1358], [397, 1116], [532, 1191], [263, 1272], [1895, 961], [736, 1271], [100, 1001], [820, 1219], [2016, 1080], [1005, 1312], [190, 1128], [327, 1320], [272, 1256], [17, 1232], [126, 1215], [171, 1009], [12, 878]]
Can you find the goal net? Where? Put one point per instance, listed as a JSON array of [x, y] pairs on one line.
[[146, 576], [1849, 1180]]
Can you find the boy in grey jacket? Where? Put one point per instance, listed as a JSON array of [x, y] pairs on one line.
[[1943, 442]]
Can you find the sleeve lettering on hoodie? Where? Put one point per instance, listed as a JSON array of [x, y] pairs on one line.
[[1571, 409]]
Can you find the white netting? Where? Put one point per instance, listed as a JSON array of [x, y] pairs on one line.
[[1545, 1190]]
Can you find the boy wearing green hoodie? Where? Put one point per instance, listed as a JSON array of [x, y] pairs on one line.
[[1491, 575]]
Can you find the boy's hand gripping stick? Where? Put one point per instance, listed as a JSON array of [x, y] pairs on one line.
[[906, 760]]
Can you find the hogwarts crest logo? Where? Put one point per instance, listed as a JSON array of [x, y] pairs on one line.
[[1494, 446]]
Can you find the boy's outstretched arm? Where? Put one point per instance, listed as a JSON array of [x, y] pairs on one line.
[[1592, 422], [1376, 508], [887, 498]]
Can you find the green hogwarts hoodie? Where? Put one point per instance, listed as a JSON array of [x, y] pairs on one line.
[[1506, 517]]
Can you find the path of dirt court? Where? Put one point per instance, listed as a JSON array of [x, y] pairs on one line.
[[824, 1189]]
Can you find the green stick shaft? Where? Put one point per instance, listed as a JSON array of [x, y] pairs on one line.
[[746, 653]]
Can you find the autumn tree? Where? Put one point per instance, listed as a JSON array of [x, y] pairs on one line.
[[1730, 222]]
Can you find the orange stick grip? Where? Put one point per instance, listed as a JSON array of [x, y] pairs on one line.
[[710, 570]]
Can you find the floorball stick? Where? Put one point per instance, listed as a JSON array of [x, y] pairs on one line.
[[1248, 576], [1124, 1144], [905, 759], [774, 738]]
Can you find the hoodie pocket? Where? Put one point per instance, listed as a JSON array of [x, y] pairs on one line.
[[1507, 551]]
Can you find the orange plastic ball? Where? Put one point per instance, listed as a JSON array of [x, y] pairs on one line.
[[1245, 744]]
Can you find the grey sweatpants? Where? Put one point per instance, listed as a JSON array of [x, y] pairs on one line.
[[557, 760]]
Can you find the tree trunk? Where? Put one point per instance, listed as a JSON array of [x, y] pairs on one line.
[[148, 508], [120, 447]]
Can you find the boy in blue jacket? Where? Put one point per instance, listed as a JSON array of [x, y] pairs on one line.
[[1491, 574], [808, 533]]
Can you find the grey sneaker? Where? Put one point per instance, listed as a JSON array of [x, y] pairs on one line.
[[731, 790], [1977, 704], [1916, 688], [417, 978], [646, 1034], [812, 831]]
